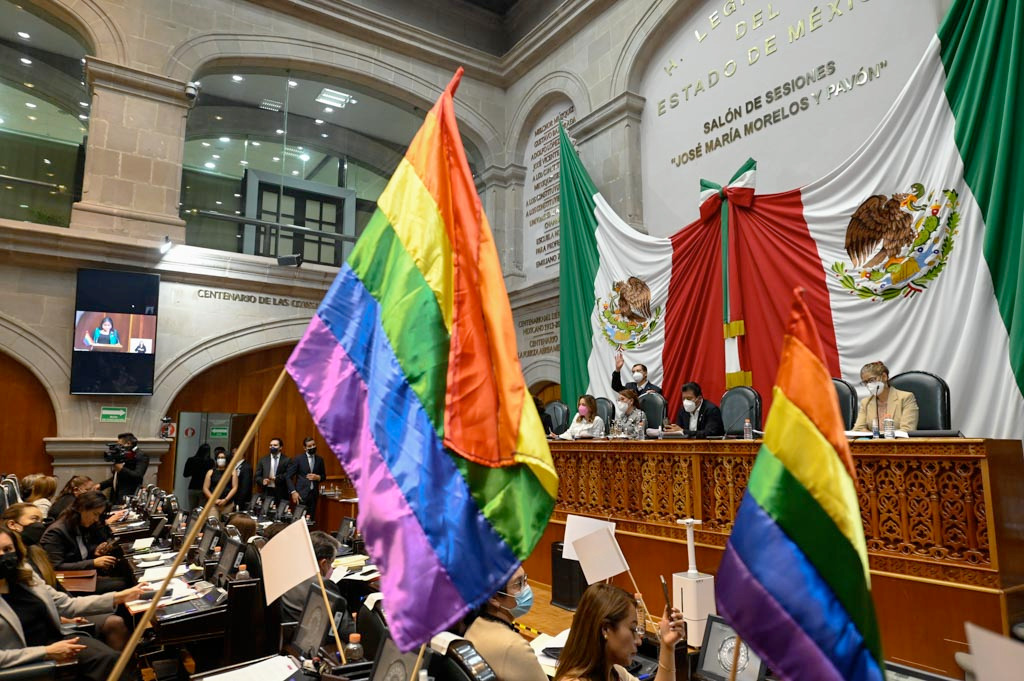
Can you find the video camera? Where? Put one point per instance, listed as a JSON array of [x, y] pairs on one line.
[[116, 453]]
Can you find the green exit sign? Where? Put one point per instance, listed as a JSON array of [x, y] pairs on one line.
[[218, 431], [116, 414]]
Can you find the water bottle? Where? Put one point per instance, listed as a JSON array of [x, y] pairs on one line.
[[242, 573], [889, 426], [874, 429], [354, 648], [748, 430]]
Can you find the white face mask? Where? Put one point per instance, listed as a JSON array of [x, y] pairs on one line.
[[621, 407], [222, 462], [875, 387], [638, 376], [690, 406]]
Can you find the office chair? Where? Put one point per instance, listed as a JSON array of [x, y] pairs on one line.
[[848, 406], [655, 407], [932, 394], [739, 403], [559, 414], [456, 659], [371, 626], [606, 410]]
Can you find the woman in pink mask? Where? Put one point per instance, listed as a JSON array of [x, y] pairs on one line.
[[586, 424]]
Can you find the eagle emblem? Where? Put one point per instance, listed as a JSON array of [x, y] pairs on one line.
[[899, 244], [626, 317]]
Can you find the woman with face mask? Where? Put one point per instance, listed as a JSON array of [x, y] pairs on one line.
[[630, 420], [586, 423], [884, 401], [493, 636], [223, 503], [30, 617]]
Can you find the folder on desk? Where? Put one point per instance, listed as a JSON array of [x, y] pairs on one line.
[[78, 581]]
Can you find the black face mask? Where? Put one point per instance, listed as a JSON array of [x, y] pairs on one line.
[[311, 451], [274, 450], [31, 534], [8, 565]]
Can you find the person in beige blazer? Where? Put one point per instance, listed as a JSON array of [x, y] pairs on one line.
[[883, 400], [30, 613]]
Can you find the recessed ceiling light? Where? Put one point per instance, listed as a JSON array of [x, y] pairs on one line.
[[244, 163], [299, 148], [24, 205], [23, 35], [83, 117], [83, 104], [33, 118], [295, 172], [335, 98], [271, 105], [276, 159], [1, 121], [319, 121], [279, 131], [323, 134], [238, 212], [328, 109], [29, 85], [255, 144], [216, 156], [219, 118], [47, 161], [30, 105], [238, 196], [219, 203], [224, 139], [292, 83], [237, 78], [49, 174], [205, 144], [304, 157], [26, 61], [210, 164]]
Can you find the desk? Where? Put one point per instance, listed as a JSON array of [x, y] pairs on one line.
[[330, 509], [943, 521]]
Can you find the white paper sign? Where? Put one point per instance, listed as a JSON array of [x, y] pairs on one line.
[[577, 526], [995, 657], [600, 556], [288, 560]]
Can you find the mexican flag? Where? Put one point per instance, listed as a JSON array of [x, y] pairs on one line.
[[909, 252]]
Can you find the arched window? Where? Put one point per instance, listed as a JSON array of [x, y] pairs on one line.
[[44, 116]]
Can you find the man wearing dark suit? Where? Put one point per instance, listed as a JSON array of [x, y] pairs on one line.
[[698, 418], [271, 472], [126, 477], [639, 384], [244, 471], [304, 476]]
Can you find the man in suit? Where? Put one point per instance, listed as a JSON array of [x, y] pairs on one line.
[[640, 385], [271, 472], [697, 418], [304, 476], [126, 477], [244, 472]]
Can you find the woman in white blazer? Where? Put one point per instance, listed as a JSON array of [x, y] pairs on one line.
[[30, 614]]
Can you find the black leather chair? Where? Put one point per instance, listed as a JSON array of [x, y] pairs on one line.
[[932, 395], [848, 402], [559, 414], [372, 627], [656, 408], [459, 661], [606, 410], [11, 493], [32, 671], [739, 403]]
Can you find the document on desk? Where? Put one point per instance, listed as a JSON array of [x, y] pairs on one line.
[[276, 668], [177, 592], [157, 574], [547, 641], [143, 544]]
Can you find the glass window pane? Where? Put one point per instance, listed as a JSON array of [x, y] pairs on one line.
[[288, 205], [329, 212], [270, 201]]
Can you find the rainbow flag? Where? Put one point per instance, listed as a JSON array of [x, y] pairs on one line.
[[794, 579], [410, 370]]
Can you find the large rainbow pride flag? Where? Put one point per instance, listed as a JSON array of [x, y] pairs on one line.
[[410, 371], [794, 579]]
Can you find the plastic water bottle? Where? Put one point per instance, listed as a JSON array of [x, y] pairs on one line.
[[889, 426], [242, 573], [874, 429], [354, 648], [748, 430]]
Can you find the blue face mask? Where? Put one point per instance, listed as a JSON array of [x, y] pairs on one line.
[[524, 601]]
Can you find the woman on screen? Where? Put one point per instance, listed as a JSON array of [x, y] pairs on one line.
[[105, 333]]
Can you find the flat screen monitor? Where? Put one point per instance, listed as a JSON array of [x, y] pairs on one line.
[[211, 533], [346, 530], [114, 338], [231, 555], [391, 663], [716, 655]]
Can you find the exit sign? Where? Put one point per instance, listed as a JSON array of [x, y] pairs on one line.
[[218, 431], [116, 414]]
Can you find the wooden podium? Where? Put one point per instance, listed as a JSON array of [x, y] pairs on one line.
[[943, 519]]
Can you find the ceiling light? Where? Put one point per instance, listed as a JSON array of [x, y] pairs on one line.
[[323, 134], [33, 118], [292, 83], [224, 139], [26, 61], [237, 78], [29, 85], [47, 161], [255, 144], [299, 148], [219, 203], [24, 205], [210, 164], [244, 163], [1, 121], [83, 104], [83, 117], [276, 159], [279, 131], [238, 212], [328, 109], [319, 121], [295, 172], [216, 157], [23, 35], [238, 196], [219, 118], [205, 144], [271, 105], [30, 105], [304, 157], [166, 245], [335, 98]]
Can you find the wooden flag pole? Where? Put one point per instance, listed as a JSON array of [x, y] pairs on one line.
[[636, 590], [419, 661], [735, 658], [330, 613], [147, 616]]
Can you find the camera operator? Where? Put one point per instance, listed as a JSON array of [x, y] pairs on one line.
[[127, 470]]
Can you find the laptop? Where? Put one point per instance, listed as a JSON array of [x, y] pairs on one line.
[[211, 599]]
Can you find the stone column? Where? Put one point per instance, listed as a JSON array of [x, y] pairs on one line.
[[609, 142], [501, 191], [133, 157]]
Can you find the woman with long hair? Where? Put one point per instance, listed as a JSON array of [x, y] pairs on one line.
[[605, 632], [213, 476], [79, 540], [586, 423], [76, 486], [39, 489], [30, 617]]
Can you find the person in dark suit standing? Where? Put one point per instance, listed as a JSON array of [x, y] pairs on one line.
[[304, 476], [271, 471], [640, 385], [126, 477], [697, 418], [244, 472]]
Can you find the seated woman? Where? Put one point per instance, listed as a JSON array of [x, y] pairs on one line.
[[604, 636], [75, 487], [29, 618], [586, 423], [213, 476], [884, 401], [38, 489], [493, 636], [630, 420], [79, 540]]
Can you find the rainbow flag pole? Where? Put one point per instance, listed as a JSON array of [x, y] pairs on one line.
[[410, 371], [794, 580]]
